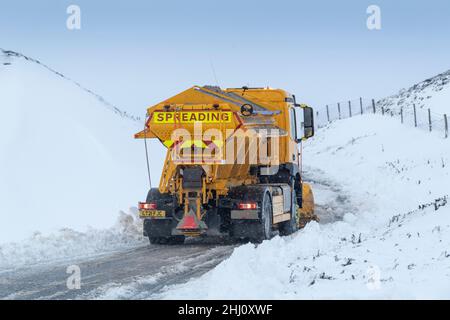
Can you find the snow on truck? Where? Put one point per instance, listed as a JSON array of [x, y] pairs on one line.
[[233, 165]]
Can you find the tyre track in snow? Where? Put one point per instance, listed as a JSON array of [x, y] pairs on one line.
[[159, 265], [182, 271], [331, 201]]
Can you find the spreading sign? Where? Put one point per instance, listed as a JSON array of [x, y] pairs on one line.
[[192, 117]]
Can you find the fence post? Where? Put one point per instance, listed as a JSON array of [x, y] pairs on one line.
[[339, 110], [350, 108], [401, 113], [382, 111], [373, 105], [446, 126], [361, 105], [415, 115], [328, 114], [429, 119]]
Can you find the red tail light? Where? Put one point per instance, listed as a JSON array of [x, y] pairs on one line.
[[247, 206], [147, 206]]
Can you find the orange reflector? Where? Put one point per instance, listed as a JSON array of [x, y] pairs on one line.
[[188, 223]]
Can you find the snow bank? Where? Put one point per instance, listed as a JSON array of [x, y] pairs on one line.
[[394, 244], [68, 244], [66, 159]]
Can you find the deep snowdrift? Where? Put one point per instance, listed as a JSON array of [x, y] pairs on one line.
[[68, 245], [67, 157], [395, 246]]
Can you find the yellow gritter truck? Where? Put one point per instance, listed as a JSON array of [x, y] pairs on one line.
[[233, 165]]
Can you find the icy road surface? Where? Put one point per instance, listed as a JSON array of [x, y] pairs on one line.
[[148, 268]]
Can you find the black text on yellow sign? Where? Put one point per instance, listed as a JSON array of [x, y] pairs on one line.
[[192, 117]]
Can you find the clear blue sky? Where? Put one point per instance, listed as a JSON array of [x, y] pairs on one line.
[[136, 53]]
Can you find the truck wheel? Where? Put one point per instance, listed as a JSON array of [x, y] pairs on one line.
[[154, 195], [291, 226], [265, 225]]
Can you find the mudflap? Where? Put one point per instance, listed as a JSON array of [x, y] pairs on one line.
[[251, 229], [158, 227], [246, 230], [214, 222]]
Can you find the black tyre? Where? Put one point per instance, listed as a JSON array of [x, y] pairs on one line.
[[160, 231], [289, 227], [154, 195], [265, 224]]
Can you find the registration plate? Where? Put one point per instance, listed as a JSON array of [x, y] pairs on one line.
[[152, 213]]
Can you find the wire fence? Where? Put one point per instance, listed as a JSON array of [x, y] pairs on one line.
[[410, 115]]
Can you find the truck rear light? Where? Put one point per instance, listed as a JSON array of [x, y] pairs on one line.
[[147, 206], [247, 206]]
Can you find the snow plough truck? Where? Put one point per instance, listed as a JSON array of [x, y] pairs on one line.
[[233, 166]]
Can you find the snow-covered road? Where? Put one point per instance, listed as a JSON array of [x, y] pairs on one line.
[[142, 271], [120, 275]]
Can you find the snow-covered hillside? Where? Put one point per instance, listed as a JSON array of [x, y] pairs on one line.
[[68, 160], [67, 157], [392, 243], [433, 93]]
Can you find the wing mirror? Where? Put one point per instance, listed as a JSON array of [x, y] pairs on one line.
[[308, 116], [304, 122]]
